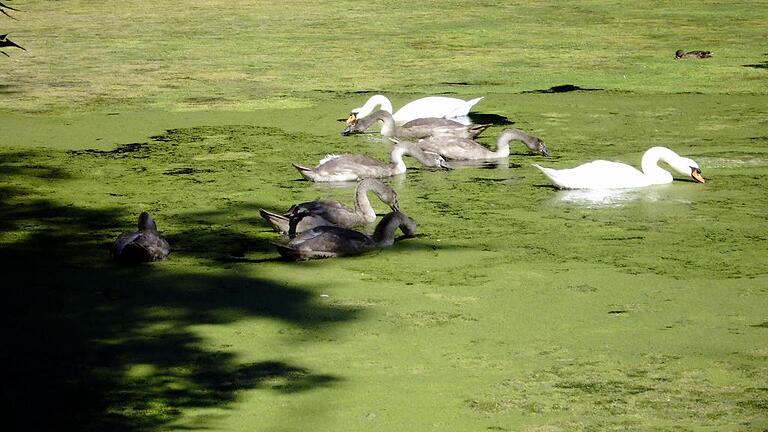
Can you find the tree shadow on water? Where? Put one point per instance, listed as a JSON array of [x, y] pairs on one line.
[[90, 345]]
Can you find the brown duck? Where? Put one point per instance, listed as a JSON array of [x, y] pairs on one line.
[[680, 54], [144, 245]]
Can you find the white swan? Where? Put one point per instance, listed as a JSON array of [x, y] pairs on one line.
[[431, 106], [602, 174]]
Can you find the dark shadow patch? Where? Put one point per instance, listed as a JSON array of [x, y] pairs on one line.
[[494, 119], [468, 83], [563, 88], [133, 150], [187, 171], [617, 312], [18, 164], [9, 89], [89, 345], [763, 324], [761, 65]]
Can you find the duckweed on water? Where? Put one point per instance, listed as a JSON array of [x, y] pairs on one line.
[[517, 307]]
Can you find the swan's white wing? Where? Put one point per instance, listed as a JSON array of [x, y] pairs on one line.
[[432, 106], [598, 174]]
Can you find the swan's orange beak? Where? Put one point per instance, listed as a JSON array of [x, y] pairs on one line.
[[696, 174], [352, 118]]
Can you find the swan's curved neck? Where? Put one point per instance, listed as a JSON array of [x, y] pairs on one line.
[[372, 103], [384, 235], [362, 203], [502, 143], [397, 164], [417, 153], [650, 164], [516, 134], [388, 129]]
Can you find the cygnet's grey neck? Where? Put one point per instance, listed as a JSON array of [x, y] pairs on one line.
[[384, 235]]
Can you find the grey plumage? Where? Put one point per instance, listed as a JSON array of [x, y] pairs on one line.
[[307, 215], [458, 148], [356, 167], [330, 241], [418, 128]]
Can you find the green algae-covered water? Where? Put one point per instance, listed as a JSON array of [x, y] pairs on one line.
[[518, 307]]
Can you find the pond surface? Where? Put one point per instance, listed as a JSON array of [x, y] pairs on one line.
[[517, 306]]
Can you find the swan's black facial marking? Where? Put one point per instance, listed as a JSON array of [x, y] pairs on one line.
[[696, 174]]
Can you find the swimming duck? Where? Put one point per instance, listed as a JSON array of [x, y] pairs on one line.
[[602, 174], [458, 148], [330, 241], [680, 54], [419, 128], [355, 167], [311, 214], [143, 245], [431, 106]]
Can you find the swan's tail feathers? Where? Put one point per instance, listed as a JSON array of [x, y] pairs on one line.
[[279, 222], [462, 110], [551, 175], [328, 158], [286, 251], [473, 102], [475, 130], [305, 172], [542, 169]]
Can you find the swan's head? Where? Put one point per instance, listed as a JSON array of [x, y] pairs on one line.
[[687, 166], [541, 147], [385, 193], [389, 197], [407, 225], [353, 127], [434, 160]]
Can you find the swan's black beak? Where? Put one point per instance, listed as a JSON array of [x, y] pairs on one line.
[[352, 118], [696, 174], [544, 150]]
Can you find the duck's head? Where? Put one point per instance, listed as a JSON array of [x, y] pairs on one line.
[[146, 223], [679, 54], [352, 117]]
